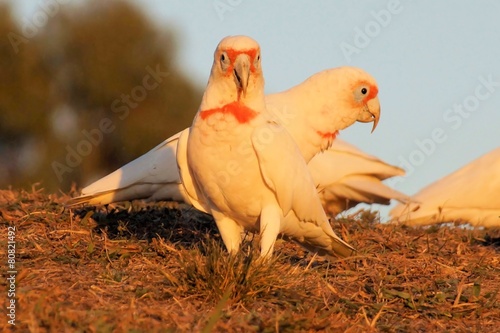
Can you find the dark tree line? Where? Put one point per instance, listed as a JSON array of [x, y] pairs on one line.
[[84, 93]]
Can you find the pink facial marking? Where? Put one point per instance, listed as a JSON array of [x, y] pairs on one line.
[[233, 54]]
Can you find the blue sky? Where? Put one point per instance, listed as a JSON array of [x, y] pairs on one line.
[[437, 64]]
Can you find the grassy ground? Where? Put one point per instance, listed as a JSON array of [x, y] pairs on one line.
[[139, 268]]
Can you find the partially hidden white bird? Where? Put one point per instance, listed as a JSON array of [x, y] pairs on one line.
[[469, 195], [312, 112], [346, 176], [245, 167]]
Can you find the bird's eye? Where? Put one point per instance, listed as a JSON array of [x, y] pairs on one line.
[[256, 61], [224, 61], [364, 91]]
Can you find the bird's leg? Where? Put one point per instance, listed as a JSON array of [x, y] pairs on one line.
[[270, 224], [230, 232]]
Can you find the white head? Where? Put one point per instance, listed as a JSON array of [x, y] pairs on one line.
[[236, 71], [353, 94]]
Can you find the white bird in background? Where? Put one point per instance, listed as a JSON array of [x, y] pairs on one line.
[[314, 111], [245, 167], [345, 176], [468, 195], [324, 98]]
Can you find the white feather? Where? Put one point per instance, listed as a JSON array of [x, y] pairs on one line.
[[345, 176], [152, 176], [470, 195]]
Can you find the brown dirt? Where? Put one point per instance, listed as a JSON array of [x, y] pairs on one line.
[[163, 268]]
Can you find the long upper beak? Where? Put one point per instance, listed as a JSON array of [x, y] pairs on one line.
[[241, 72], [370, 113]]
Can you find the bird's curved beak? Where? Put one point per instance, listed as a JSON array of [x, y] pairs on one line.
[[370, 113], [241, 73]]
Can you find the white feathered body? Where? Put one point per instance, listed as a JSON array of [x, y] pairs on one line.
[[239, 179], [468, 195], [230, 170], [244, 168]]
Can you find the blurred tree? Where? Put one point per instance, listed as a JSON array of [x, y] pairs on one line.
[[24, 84], [24, 101], [113, 93]]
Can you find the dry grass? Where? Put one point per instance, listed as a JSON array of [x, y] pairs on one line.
[[136, 268]]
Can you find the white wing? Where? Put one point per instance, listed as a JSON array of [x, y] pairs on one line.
[[346, 176], [285, 172], [470, 194], [189, 188], [152, 176]]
